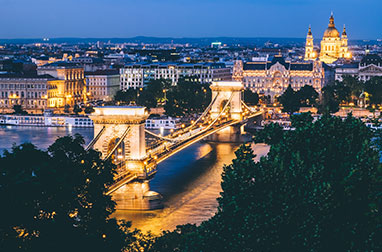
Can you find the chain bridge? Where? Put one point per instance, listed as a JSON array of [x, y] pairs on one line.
[[120, 135]]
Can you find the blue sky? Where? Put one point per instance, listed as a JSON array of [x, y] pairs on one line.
[[181, 18]]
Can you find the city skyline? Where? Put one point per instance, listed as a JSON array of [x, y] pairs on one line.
[[169, 18]]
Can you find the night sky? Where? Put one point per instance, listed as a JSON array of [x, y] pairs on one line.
[[181, 18]]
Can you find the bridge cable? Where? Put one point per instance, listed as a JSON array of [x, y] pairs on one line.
[[95, 139], [246, 106], [205, 112], [213, 122], [118, 143]]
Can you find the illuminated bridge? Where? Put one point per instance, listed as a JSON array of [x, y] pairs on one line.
[[119, 134]]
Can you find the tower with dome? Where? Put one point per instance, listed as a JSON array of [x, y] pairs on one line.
[[333, 45]]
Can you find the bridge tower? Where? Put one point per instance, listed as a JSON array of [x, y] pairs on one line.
[[119, 134], [115, 121], [223, 91]]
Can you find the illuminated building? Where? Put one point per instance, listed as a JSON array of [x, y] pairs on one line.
[[333, 46], [310, 54], [102, 84], [137, 75], [28, 91], [272, 77], [68, 87], [370, 66]]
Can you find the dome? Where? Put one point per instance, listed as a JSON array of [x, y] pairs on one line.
[[331, 31]]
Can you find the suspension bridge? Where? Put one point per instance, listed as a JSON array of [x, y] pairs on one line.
[[119, 134]]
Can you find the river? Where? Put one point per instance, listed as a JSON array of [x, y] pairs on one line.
[[189, 181]]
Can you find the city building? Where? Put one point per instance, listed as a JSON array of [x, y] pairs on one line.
[[136, 75], [28, 91], [272, 77], [68, 87], [370, 66], [102, 84], [333, 46]]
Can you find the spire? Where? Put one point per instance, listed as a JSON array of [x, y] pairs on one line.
[[310, 31], [344, 31], [331, 20]]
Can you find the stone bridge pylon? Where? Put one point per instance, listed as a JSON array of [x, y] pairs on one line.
[[223, 91], [111, 124]]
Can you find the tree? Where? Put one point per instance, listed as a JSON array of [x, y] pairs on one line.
[[126, 96], [77, 109], [250, 98], [89, 110], [66, 108], [289, 101], [302, 197], [55, 200], [354, 85], [18, 110], [187, 97], [374, 88], [330, 100], [307, 96]]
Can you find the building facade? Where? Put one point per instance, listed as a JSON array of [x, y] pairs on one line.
[[29, 92], [271, 78], [102, 85], [68, 87], [333, 46], [137, 75], [370, 66]]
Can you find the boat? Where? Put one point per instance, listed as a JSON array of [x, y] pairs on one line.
[[47, 120]]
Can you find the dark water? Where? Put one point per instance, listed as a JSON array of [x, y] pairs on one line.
[[189, 181], [42, 137]]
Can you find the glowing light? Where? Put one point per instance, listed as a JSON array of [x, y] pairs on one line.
[[120, 111]]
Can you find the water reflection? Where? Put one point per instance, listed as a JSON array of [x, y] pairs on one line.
[[42, 137], [190, 184]]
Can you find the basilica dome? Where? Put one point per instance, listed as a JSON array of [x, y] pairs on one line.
[[331, 31]]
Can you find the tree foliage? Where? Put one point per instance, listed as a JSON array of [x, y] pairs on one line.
[[289, 100], [150, 96], [307, 96], [374, 88], [187, 97], [77, 109], [55, 200], [292, 100], [250, 98], [18, 110], [318, 189], [332, 96]]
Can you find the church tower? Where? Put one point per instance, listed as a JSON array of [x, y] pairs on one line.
[[310, 54], [330, 43], [344, 53]]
